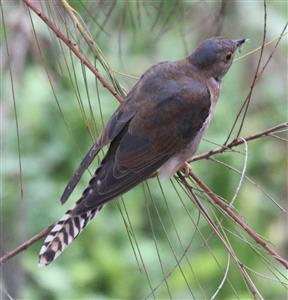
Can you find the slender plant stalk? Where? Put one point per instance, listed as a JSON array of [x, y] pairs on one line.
[[229, 211], [26, 244], [240, 141], [74, 49]]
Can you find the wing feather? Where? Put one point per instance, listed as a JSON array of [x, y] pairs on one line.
[[148, 130], [118, 120]]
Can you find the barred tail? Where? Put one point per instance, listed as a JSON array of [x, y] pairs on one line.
[[63, 233]]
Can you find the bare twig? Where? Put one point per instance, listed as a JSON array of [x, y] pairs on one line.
[[247, 100], [223, 279], [93, 19], [229, 211], [251, 181], [14, 107], [97, 52], [278, 39], [74, 49], [26, 244], [273, 51], [240, 141], [242, 174], [230, 250]]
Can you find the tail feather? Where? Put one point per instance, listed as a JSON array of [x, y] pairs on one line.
[[63, 233]]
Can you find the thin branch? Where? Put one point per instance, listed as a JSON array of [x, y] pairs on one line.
[[240, 141], [14, 107], [97, 52], [242, 174], [26, 244], [229, 211], [93, 19], [227, 245], [73, 48], [247, 100], [274, 49], [278, 137], [278, 39], [205, 155], [251, 181], [223, 279]]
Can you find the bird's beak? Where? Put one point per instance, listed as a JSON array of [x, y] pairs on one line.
[[239, 42]]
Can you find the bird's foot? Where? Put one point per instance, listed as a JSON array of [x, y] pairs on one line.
[[186, 168]]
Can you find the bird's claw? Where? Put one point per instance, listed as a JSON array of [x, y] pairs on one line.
[[186, 168]]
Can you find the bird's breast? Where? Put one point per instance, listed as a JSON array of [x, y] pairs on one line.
[[187, 153], [214, 89], [175, 162]]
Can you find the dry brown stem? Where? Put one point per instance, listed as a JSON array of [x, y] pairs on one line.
[[26, 244], [230, 212], [74, 49], [252, 287], [240, 141]]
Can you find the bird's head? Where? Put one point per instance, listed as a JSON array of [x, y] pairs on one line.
[[214, 56]]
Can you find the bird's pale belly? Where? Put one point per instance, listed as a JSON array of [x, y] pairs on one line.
[[170, 167]]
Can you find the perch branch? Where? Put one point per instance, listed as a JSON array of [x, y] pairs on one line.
[[240, 141], [229, 211], [74, 49], [97, 52], [26, 244], [230, 250]]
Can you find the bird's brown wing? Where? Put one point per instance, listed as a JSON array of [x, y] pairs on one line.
[[165, 112], [157, 131], [117, 121]]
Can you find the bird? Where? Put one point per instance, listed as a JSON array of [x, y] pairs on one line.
[[156, 129]]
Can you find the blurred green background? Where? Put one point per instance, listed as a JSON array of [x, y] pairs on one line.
[[60, 110]]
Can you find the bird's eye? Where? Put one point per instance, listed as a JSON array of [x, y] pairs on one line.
[[228, 56]]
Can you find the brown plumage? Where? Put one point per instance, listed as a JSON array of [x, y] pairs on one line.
[[157, 128]]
